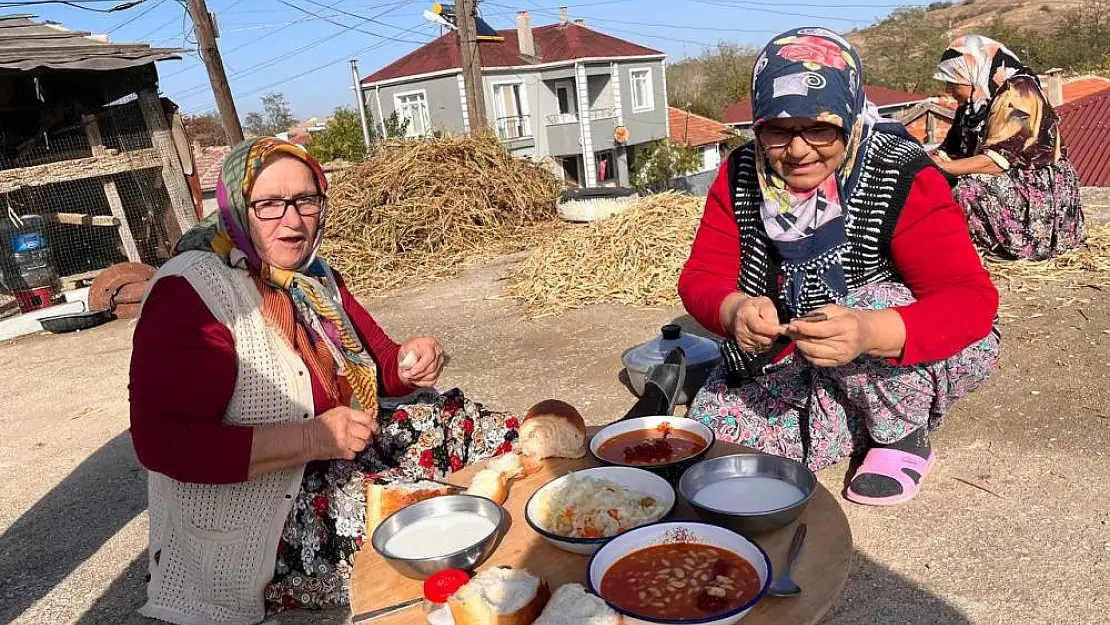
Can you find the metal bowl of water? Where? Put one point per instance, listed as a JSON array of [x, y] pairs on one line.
[[446, 508], [749, 517]]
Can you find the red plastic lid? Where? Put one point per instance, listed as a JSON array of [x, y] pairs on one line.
[[440, 586]]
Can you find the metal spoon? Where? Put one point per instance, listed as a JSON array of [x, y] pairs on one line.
[[783, 585]]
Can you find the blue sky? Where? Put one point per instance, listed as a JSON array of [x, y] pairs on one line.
[[277, 46]]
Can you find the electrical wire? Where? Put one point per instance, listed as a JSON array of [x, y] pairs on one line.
[[135, 17], [354, 28], [74, 4]]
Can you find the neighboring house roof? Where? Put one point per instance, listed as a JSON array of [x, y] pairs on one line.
[[554, 43], [741, 112], [696, 131], [209, 161], [26, 45], [1080, 87], [1085, 128]]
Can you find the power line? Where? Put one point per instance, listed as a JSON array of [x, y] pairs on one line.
[[354, 28], [135, 17], [75, 4]]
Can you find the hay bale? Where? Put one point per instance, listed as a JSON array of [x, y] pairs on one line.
[[417, 210], [633, 258]]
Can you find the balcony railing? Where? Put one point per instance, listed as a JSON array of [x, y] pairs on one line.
[[602, 113], [516, 127], [561, 118]]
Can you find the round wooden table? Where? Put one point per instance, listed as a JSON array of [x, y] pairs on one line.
[[821, 570]]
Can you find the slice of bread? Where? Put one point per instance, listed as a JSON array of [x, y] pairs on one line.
[[382, 501], [499, 596], [572, 605], [491, 484], [553, 429]]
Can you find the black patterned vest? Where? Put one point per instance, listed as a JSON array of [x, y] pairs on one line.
[[889, 169]]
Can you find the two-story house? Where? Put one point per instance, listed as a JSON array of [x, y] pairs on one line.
[[562, 94]]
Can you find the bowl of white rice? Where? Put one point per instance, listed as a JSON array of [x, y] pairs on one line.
[[582, 510]]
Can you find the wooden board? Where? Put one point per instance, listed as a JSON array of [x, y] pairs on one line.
[[821, 570]]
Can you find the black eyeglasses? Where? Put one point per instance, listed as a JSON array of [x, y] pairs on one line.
[[275, 208], [818, 136]]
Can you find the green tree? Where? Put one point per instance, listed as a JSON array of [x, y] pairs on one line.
[[395, 127], [276, 116], [342, 139], [661, 163], [708, 83], [901, 51]]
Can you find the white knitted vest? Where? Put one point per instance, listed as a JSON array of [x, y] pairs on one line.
[[213, 547]]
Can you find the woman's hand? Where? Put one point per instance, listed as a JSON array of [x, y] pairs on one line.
[[752, 320], [420, 361], [341, 433], [836, 341]]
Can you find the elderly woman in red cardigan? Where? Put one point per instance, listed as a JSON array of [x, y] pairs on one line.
[[833, 257], [255, 384]]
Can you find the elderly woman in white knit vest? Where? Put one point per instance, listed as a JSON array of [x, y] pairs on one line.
[[255, 380]]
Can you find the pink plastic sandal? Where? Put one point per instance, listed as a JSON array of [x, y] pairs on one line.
[[892, 463]]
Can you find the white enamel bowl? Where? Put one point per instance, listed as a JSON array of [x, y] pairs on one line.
[[661, 533], [633, 479]]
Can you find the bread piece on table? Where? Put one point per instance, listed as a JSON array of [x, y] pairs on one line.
[[572, 605], [553, 429], [382, 501], [499, 596], [491, 484]]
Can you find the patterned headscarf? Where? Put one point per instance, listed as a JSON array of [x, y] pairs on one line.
[[324, 336], [984, 65], [812, 73]]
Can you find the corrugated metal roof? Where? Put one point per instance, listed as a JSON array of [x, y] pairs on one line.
[[554, 43], [27, 45], [1085, 128]]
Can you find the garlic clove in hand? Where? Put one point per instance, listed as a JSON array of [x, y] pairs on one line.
[[409, 360]]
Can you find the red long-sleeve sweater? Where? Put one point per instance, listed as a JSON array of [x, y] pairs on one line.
[[931, 248], [183, 369]]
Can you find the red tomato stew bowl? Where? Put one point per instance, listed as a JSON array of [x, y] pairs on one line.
[[664, 445], [679, 573]]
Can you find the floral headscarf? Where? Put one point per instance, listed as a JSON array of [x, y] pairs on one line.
[[324, 336], [985, 65], [812, 73]]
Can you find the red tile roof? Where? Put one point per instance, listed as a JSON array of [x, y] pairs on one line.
[[695, 131], [1083, 86], [209, 161], [554, 43], [1085, 128], [741, 112]]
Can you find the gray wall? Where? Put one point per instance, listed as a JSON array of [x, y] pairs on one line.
[[441, 95], [648, 125]]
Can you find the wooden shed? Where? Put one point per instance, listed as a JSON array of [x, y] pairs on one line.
[[88, 148]]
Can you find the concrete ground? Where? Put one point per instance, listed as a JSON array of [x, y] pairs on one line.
[[1010, 529]]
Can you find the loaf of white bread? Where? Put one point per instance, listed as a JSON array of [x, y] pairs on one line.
[[499, 596], [572, 605], [382, 501], [553, 429]]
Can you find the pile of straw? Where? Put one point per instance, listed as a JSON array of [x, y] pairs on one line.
[[417, 210], [1086, 266], [631, 258]]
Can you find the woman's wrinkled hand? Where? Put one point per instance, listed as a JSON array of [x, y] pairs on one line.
[[341, 433], [420, 361], [834, 342], [754, 322]]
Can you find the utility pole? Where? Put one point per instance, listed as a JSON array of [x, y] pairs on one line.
[[471, 65], [210, 52], [361, 105]]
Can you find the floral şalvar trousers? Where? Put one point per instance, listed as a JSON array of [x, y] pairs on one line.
[[433, 436], [822, 415]]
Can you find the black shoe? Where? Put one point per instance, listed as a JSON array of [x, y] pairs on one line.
[[662, 385]]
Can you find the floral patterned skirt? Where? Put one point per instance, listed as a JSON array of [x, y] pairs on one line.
[[429, 438], [821, 415], [1031, 214]]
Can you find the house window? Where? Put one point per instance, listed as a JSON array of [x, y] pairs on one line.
[[567, 104], [413, 108], [510, 107], [643, 98]]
